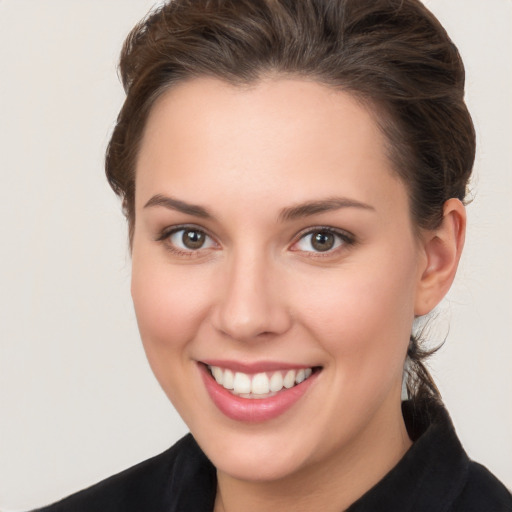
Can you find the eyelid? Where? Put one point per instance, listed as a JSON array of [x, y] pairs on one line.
[[346, 237], [167, 232]]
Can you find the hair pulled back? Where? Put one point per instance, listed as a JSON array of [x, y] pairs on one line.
[[393, 55]]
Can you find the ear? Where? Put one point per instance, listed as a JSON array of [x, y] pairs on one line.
[[442, 249]]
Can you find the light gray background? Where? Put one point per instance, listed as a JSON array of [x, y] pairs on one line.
[[77, 399]]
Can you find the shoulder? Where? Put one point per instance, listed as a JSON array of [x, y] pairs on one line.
[[145, 486], [482, 491]]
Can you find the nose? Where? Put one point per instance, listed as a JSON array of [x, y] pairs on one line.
[[251, 303]]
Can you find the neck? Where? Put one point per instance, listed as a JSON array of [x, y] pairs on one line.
[[330, 485]]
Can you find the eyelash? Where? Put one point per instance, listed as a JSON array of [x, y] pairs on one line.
[[344, 239], [165, 235]]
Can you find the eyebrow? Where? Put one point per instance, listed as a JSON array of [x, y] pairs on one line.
[[180, 206], [316, 207], [290, 213]]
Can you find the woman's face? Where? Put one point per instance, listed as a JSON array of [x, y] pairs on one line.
[[273, 243]]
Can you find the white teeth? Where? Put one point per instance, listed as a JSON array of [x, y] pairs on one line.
[[289, 379], [259, 384], [276, 382], [217, 374], [228, 379], [242, 383]]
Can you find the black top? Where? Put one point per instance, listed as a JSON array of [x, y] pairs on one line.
[[435, 475]]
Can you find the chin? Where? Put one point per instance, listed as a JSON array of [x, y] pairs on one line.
[[269, 454], [251, 465]]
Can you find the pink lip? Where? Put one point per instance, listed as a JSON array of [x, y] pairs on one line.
[[257, 409]]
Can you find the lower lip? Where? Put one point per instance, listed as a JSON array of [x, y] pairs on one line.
[[254, 410]]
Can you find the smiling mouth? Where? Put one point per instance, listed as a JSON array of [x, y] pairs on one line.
[[259, 385]]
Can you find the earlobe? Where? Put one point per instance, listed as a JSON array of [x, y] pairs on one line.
[[442, 247]]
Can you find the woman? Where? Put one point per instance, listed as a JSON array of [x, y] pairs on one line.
[[293, 175]]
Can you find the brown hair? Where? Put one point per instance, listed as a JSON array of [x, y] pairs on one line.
[[392, 54]]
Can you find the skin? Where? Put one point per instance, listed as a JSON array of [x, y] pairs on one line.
[[258, 290]]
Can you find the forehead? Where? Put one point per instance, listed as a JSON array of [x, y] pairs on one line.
[[281, 136]]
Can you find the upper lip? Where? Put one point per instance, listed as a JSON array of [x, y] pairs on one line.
[[255, 366]]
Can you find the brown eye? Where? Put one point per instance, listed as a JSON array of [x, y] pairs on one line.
[[187, 240], [322, 241], [193, 239]]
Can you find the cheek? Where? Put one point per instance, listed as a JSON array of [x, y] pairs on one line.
[[169, 304], [363, 317]]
